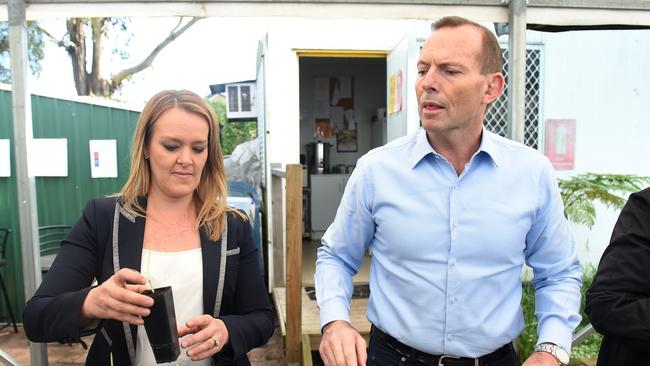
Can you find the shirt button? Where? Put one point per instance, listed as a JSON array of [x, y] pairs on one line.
[[452, 300], [454, 224], [452, 262], [450, 337]]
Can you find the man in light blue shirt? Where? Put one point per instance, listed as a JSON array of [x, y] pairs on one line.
[[451, 213]]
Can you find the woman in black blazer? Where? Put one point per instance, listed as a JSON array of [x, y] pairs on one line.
[[618, 302], [170, 214]]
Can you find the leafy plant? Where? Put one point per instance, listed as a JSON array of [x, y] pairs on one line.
[[581, 191], [232, 133], [526, 341]]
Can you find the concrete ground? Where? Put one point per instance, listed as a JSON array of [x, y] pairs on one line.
[[16, 345]]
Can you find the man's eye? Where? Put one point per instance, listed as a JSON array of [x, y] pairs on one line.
[[452, 72], [422, 72], [171, 147]]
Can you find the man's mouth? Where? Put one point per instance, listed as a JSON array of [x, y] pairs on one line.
[[431, 106]]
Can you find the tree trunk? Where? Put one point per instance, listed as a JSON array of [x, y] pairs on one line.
[[98, 85], [77, 51]]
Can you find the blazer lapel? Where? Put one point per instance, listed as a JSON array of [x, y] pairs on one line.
[[210, 256], [131, 235]]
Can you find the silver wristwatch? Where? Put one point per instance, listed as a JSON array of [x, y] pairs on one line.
[[560, 354]]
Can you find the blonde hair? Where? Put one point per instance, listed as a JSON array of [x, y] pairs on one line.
[[210, 195]]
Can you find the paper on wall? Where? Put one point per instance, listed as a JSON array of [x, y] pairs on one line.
[[47, 158], [349, 115], [336, 117], [103, 158], [5, 161]]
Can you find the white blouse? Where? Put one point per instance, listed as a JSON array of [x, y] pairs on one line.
[[183, 271]]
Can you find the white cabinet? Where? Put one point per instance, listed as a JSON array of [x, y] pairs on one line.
[[326, 192]]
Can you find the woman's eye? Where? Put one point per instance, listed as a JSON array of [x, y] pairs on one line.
[[198, 149], [171, 147]]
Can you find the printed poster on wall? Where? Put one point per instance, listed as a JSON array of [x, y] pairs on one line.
[[5, 162], [103, 158], [560, 143], [395, 93], [47, 158]]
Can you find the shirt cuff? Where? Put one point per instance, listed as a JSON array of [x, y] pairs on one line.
[[334, 309], [554, 330]]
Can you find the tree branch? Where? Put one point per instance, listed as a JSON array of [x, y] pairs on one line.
[[118, 78]]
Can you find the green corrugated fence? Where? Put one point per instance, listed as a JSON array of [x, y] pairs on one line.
[[60, 199]]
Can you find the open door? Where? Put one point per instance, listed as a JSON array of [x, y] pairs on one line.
[[401, 101], [262, 132]]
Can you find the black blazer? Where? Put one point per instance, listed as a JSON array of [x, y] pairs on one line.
[[618, 302], [53, 314]]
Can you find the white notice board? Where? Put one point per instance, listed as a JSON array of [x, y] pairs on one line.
[[47, 158], [103, 158]]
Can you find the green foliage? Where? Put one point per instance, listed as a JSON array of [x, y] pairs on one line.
[[525, 343], [232, 133], [581, 191], [579, 194], [35, 51]]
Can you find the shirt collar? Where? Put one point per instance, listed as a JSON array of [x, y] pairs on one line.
[[422, 148], [489, 146]]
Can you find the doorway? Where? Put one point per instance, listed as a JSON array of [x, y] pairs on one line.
[[342, 117]]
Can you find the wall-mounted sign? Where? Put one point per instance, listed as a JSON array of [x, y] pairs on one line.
[[47, 158], [5, 162], [103, 158], [395, 92], [560, 143]]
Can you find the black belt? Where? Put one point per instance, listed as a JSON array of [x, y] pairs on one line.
[[430, 359]]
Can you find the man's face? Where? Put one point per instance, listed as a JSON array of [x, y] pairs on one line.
[[452, 93]]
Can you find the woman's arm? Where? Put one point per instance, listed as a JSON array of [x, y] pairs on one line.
[[618, 303], [54, 312]]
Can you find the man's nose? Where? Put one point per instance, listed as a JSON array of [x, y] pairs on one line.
[[430, 80]]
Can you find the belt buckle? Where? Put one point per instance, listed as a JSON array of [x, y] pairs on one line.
[[443, 357]]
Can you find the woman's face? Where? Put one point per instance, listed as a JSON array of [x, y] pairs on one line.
[[177, 153]]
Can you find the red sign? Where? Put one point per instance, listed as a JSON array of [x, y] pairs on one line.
[[560, 143]]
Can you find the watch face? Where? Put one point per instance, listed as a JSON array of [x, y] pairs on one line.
[[561, 355]]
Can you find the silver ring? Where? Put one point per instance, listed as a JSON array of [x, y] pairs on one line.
[[216, 342]]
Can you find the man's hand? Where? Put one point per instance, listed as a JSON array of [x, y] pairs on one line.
[[342, 345], [541, 359]]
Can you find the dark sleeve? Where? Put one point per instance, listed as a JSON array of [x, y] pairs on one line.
[[54, 312], [618, 302], [252, 324]]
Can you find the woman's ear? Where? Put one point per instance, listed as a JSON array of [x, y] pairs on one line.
[[496, 84]]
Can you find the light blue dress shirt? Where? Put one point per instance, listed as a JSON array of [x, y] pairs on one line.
[[448, 250]]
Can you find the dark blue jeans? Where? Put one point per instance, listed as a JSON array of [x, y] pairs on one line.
[[380, 354]]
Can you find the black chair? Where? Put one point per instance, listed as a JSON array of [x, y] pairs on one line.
[[4, 238], [50, 238]]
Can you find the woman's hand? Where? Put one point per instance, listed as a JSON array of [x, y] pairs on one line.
[[208, 336], [118, 298]]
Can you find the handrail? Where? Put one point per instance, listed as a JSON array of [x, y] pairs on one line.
[[279, 172], [6, 359], [582, 334]]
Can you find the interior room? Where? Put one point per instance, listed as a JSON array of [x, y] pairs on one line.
[[342, 117]]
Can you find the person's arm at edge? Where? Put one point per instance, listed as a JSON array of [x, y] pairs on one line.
[[618, 303], [552, 253], [339, 258]]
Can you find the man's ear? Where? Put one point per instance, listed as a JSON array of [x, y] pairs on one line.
[[496, 84]]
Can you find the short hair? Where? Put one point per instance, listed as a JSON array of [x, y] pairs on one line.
[[210, 195], [491, 58]]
